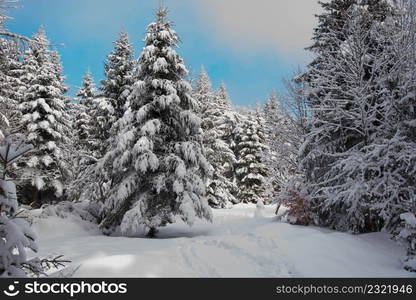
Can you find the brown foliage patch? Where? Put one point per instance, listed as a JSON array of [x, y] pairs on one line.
[[297, 213]]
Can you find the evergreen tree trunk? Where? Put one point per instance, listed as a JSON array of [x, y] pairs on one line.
[[152, 232]]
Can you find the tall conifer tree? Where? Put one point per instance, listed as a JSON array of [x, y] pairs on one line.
[[158, 160], [216, 124], [45, 120]]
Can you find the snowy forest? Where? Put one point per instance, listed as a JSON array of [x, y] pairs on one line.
[[151, 147]]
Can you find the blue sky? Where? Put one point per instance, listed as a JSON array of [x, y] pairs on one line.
[[250, 45]]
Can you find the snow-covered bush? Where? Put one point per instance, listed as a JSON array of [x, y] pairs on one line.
[[16, 235], [406, 235], [87, 210], [294, 199]]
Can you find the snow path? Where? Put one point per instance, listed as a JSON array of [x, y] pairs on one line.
[[236, 245]]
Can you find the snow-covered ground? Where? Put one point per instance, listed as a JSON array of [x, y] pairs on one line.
[[237, 244]]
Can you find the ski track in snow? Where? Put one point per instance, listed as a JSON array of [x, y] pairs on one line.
[[237, 244]]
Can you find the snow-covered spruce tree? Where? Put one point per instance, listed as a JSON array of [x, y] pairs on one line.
[[117, 85], [158, 162], [102, 122], [265, 168], [85, 142], [250, 168], [346, 113], [280, 157], [88, 90], [55, 59], [15, 233], [109, 105], [11, 87], [84, 108], [10, 67], [393, 154], [202, 92], [233, 118], [93, 182], [46, 122], [108, 108], [216, 125], [9, 113], [230, 129]]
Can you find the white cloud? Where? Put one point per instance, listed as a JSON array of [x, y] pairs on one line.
[[282, 25]]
